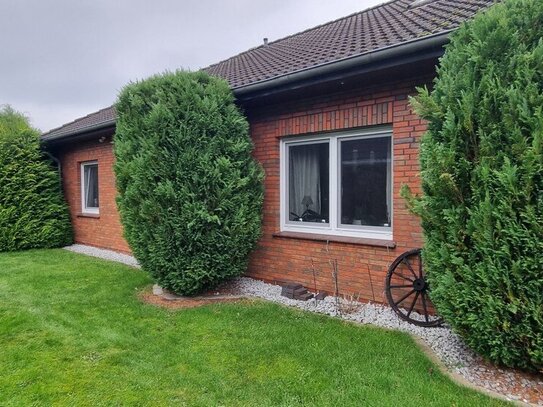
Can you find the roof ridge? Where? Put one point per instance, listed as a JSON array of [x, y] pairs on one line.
[[302, 32]]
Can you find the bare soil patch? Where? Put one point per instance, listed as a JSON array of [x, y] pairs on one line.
[[224, 293]]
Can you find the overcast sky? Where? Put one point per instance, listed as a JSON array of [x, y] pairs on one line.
[[62, 59]]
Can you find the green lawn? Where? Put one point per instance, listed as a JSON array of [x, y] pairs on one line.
[[73, 332]]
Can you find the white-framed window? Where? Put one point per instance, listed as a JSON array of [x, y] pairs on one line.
[[338, 183], [90, 200]]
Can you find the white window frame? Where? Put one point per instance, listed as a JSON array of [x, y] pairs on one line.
[[333, 228], [84, 208]]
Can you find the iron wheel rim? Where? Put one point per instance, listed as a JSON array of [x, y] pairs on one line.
[[416, 286]]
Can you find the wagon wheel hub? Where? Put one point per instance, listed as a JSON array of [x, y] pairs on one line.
[[420, 285]]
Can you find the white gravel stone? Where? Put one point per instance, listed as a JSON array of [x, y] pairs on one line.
[[444, 343], [104, 254]]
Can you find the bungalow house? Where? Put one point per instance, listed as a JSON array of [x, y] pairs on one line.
[[332, 126]]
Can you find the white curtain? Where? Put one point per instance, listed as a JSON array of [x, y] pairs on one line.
[[389, 183], [91, 186], [304, 178]]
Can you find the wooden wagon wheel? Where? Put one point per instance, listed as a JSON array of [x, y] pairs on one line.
[[407, 290]]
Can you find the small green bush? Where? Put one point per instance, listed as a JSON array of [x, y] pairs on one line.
[[482, 178], [190, 192], [33, 213]]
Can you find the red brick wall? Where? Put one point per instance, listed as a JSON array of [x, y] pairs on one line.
[[362, 268], [105, 229]]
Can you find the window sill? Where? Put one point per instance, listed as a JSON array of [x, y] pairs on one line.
[[364, 241], [88, 215]]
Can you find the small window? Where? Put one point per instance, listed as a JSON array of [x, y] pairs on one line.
[[89, 187]]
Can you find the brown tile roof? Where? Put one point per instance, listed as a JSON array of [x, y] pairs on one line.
[[371, 30], [101, 118], [379, 27]]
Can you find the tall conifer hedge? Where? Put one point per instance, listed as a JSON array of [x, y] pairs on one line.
[[33, 213], [190, 193], [482, 177]]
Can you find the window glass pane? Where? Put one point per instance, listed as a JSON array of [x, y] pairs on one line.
[[366, 182], [308, 183], [91, 185]]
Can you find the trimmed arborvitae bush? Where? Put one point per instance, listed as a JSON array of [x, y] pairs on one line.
[[33, 213], [482, 179], [190, 193]]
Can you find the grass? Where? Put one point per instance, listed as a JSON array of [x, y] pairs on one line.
[[73, 332]]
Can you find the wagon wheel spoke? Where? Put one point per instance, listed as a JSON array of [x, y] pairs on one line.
[[403, 277], [402, 286], [413, 303], [404, 297], [404, 261], [420, 268], [424, 306]]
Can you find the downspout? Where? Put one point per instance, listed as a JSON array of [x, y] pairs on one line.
[[59, 167]]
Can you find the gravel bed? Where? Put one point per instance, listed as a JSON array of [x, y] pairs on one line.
[[104, 254], [447, 346]]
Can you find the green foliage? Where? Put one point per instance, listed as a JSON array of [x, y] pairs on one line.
[[482, 176], [33, 213], [190, 192]]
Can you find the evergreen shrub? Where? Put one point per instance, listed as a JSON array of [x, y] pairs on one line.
[[482, 179], [33, 213], [190, 192]]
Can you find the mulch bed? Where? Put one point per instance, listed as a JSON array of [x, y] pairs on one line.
[[221, 294]]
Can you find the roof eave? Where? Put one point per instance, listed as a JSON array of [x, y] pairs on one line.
[[264, 87], [86, 130], [394, 51]]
